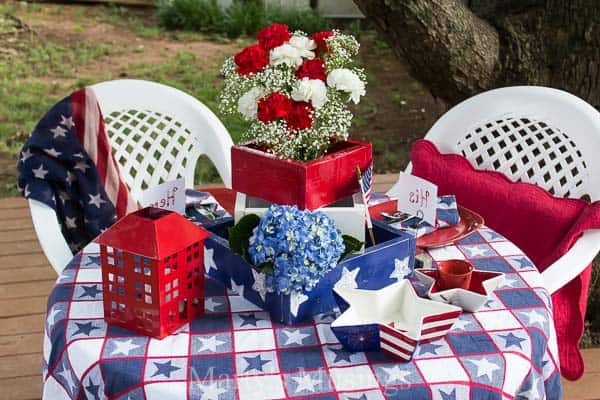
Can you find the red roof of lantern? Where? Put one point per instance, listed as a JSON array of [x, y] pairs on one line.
[[152, 232]]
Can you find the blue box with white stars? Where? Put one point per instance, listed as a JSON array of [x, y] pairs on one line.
[[390, 260]]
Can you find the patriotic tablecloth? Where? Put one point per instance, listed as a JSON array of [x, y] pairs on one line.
[[507, 350]]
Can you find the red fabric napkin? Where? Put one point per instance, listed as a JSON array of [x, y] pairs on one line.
[[543, 226]]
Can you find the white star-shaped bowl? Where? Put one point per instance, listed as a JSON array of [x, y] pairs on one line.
[[482, 284], [393, 319]]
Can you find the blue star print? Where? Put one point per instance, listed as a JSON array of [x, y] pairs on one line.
[[249, 319], [164, 369], [91, 291], [512, 340], [84, 328], [429, 348], [340, 355], [524, 263], [448, 396], [255, 363], [93, 260], [93, 389]]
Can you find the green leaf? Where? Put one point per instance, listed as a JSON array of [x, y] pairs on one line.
[[351, 245], [267, 268], [239, 234]]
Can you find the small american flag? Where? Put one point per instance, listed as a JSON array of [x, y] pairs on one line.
[[367, 182], [67, 164]]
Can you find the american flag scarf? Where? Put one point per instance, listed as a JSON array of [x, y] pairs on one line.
[[67, 164]]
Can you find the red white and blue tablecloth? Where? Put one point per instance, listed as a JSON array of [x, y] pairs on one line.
[[507, 350]]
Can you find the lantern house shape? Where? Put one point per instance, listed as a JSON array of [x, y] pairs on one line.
[[152, 271]]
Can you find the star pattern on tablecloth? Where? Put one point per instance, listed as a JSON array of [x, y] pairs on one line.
[[448, 396], [305, 383], [209, 343], [294, 336], [512, 340], [255, 363], [123, 347], [341, 355], [535, 318], [93, 389], [210, 390], [485, 368], [92, 260], [429, 348], [90, 291], [211, 304], [218, 334], [68, 377], [84, 328], [395, 374], [164, 369], [249, 319]]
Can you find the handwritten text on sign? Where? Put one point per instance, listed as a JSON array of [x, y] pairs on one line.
[[416, 196], [169, 195]]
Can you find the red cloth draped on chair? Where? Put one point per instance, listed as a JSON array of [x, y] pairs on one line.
[[543, 226]]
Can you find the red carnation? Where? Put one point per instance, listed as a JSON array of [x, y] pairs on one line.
[[300, 115], [319, 39], [312, 69], [273, 35], [274, 106], [251, 60]]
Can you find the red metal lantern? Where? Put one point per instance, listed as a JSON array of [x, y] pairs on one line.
[[152, 271]]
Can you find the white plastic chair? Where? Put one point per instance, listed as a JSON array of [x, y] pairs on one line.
[[157, 134], [539, 135]]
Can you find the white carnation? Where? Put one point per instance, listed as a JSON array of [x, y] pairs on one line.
[[248, 103], [310, 90], [285, 54], [347, 81], [304, 45]]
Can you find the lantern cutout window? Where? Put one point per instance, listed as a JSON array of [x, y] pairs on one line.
[[148, 258]]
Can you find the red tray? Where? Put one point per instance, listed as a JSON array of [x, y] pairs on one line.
[[470, 221]]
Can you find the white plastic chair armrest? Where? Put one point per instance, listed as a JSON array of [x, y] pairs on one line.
[[572, 263], [50, 235]]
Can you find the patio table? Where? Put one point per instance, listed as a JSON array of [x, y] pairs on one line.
[[506, 350]]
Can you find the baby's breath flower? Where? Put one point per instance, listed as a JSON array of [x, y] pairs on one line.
[[331, 117]]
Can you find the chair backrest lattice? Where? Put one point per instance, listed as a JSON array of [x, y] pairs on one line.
[[158, 133], [150, 147], [527, 149], [533, 134]]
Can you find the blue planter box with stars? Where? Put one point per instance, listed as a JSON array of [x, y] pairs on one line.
[[391, 259]]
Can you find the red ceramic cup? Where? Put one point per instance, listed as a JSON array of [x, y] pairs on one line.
[[454, 274]]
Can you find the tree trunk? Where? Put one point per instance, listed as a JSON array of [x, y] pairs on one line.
[[458, 48]]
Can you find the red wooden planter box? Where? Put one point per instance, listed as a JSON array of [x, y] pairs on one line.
[[309, 185]]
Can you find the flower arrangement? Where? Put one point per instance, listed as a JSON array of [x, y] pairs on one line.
[[293, 247], [295, 90]]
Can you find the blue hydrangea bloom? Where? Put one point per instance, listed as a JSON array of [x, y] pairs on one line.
[[302, 245]]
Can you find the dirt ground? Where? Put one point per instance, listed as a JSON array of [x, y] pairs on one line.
[[395, 112]]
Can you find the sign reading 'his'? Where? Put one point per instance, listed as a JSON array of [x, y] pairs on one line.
[[416, 196]]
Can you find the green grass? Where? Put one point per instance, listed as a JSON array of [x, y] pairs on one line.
[[239, 19], [38, 73], [185, 71]]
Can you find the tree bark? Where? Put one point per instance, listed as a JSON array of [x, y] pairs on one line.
[[458, 48]]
